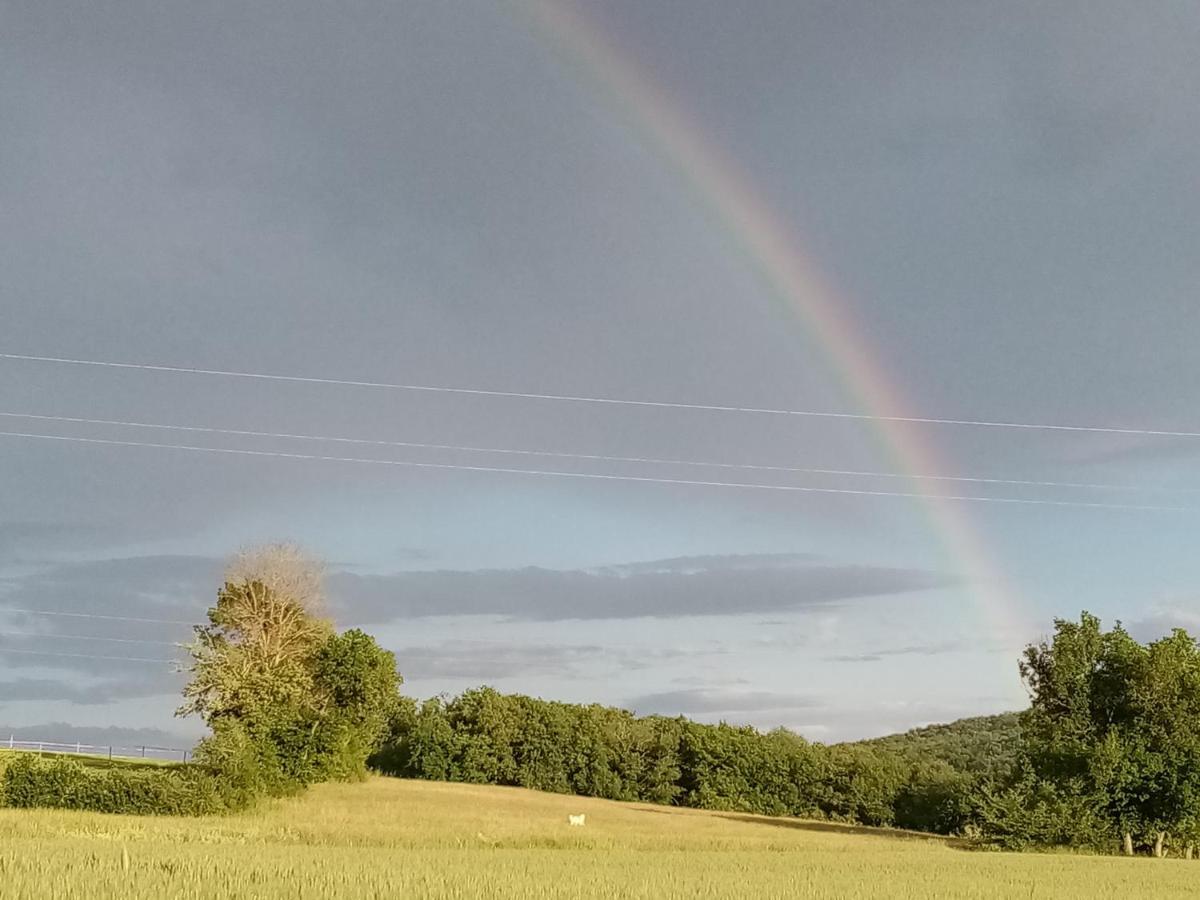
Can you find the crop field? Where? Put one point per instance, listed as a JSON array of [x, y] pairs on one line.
[[390, 838]]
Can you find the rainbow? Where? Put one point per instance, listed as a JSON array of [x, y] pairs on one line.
[[770, 244]]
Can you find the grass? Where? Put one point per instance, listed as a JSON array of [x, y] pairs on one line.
[[389, 838]]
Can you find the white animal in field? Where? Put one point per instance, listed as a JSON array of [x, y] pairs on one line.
[[577, 820]]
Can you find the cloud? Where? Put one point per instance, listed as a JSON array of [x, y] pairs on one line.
[[494, 659], [1164, 618], [1109, 449], [90, 692], [81, 617], [703, 700], [694, 565], [178, 590], [934, 649], [26, 541], [141, 586], [687, 586], [397, 554], [488, 660]]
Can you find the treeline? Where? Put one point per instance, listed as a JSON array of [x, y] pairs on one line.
[[1107, 758], [485, 737]]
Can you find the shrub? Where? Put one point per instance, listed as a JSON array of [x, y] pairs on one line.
[[1033, 813], [32, 782]]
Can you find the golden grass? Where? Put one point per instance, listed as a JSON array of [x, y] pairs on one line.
[[390, 838]]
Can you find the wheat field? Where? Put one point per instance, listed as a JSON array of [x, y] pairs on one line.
[[388, 838]]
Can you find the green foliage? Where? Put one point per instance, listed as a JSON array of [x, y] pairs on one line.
[[935, 798], [861, 784], [31, 782], [950, 767], [485, 737], [289, 701], [1033, 813], [248, 767], [1111, 743], [723, 767], [981, 745]]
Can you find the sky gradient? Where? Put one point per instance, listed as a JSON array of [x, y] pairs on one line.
[[1000, 199]]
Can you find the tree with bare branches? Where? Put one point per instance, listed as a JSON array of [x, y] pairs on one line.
[[289, 700]]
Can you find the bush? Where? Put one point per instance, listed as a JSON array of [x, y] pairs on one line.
[[936, 798], [1033, 813], [31, 782]]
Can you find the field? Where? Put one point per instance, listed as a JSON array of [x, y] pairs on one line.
[[390, 838], [92, 760]]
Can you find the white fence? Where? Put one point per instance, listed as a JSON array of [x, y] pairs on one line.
[[112, 751]]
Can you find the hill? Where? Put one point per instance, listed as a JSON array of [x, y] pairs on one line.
[[395, 838], [978, 745]]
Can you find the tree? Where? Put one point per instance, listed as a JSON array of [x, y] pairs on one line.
[[357, 694], [1165, 698], [1114, 724], [289, 701], [285, 568]]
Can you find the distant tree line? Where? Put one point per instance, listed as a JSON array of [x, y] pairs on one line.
[[485, 737], [1106, 758]]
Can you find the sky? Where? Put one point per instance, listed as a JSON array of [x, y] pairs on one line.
[[984, 212]]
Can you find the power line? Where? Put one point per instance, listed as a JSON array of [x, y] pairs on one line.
[[87, 656], [84, 637], [594, 457], [616, 401], [599, 476], [78, 615]]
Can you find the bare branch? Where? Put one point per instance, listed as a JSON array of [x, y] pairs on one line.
[[286, 569]]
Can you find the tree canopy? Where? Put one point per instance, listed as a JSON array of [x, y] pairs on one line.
[[289, 700]]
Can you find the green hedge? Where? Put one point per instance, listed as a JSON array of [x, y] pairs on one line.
[[31, 782]]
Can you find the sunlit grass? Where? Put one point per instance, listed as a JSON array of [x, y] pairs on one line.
[[392, 838], [92, 760]]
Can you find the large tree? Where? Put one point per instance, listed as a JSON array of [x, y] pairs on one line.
[[1114, 726], [289, 701]]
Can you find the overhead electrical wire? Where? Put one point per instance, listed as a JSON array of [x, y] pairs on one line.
[[597, 475], [592, 457], [42, 635], [616, 401], [79, 615], [542, 453], [87, 656]]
